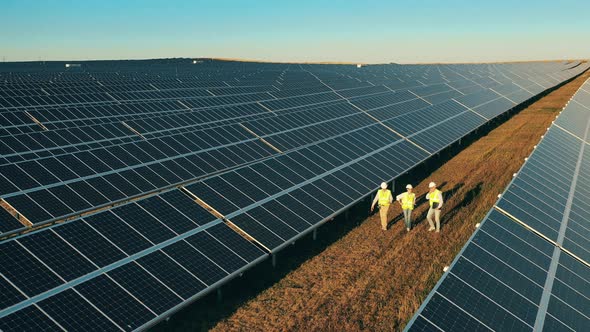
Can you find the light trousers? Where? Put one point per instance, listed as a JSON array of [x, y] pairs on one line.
[[436, 214], [383, 209], [408, 218]]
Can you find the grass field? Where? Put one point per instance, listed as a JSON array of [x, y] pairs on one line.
[[373, 280]]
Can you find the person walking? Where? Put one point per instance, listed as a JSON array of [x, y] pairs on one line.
[[407, 200], [384, 198], [435, 199]]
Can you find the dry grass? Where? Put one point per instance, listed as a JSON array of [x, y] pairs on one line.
[[374, 280]]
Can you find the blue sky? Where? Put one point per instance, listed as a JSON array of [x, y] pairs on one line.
[[352, 31]]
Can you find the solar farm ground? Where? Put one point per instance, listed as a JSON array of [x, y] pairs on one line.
[[356, 277]]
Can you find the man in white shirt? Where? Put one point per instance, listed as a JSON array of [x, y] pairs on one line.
[[435, 199]]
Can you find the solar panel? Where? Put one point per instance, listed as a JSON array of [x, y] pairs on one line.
[[69, 304], [177, 277], [161, 181], [8, 222], [28, 319], [109, 297]]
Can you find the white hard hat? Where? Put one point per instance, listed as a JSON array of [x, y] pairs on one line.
[[431, 185], [409, 186], [383, 185]]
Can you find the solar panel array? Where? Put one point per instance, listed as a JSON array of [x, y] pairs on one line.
[[172, 177], [527, 267]]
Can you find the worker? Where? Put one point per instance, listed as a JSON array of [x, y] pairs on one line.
[[407, 200], [384, 198], [435, 198]]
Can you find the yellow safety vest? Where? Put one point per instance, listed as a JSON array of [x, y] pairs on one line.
[[384, 196], [408, 201], [433, 198]]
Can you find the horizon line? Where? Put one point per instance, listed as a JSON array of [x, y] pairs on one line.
[[251, 60]]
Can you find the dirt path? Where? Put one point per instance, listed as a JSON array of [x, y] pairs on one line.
[[376, 280]]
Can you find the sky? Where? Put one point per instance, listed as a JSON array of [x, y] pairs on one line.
[[296, 31]]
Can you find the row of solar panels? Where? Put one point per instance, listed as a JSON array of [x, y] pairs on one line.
[[325, 167], [527, 267], [30, 175], [193, 90], [54, 165], [52, 121], [217, 87], [208, 102], [259, 74], [405, 112]]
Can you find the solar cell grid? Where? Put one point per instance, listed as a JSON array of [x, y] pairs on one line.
[[147, 289], [172, 274], [28, 319], [124, 309], [62, 306], [8, 222], [195, 262], [118, 232]]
